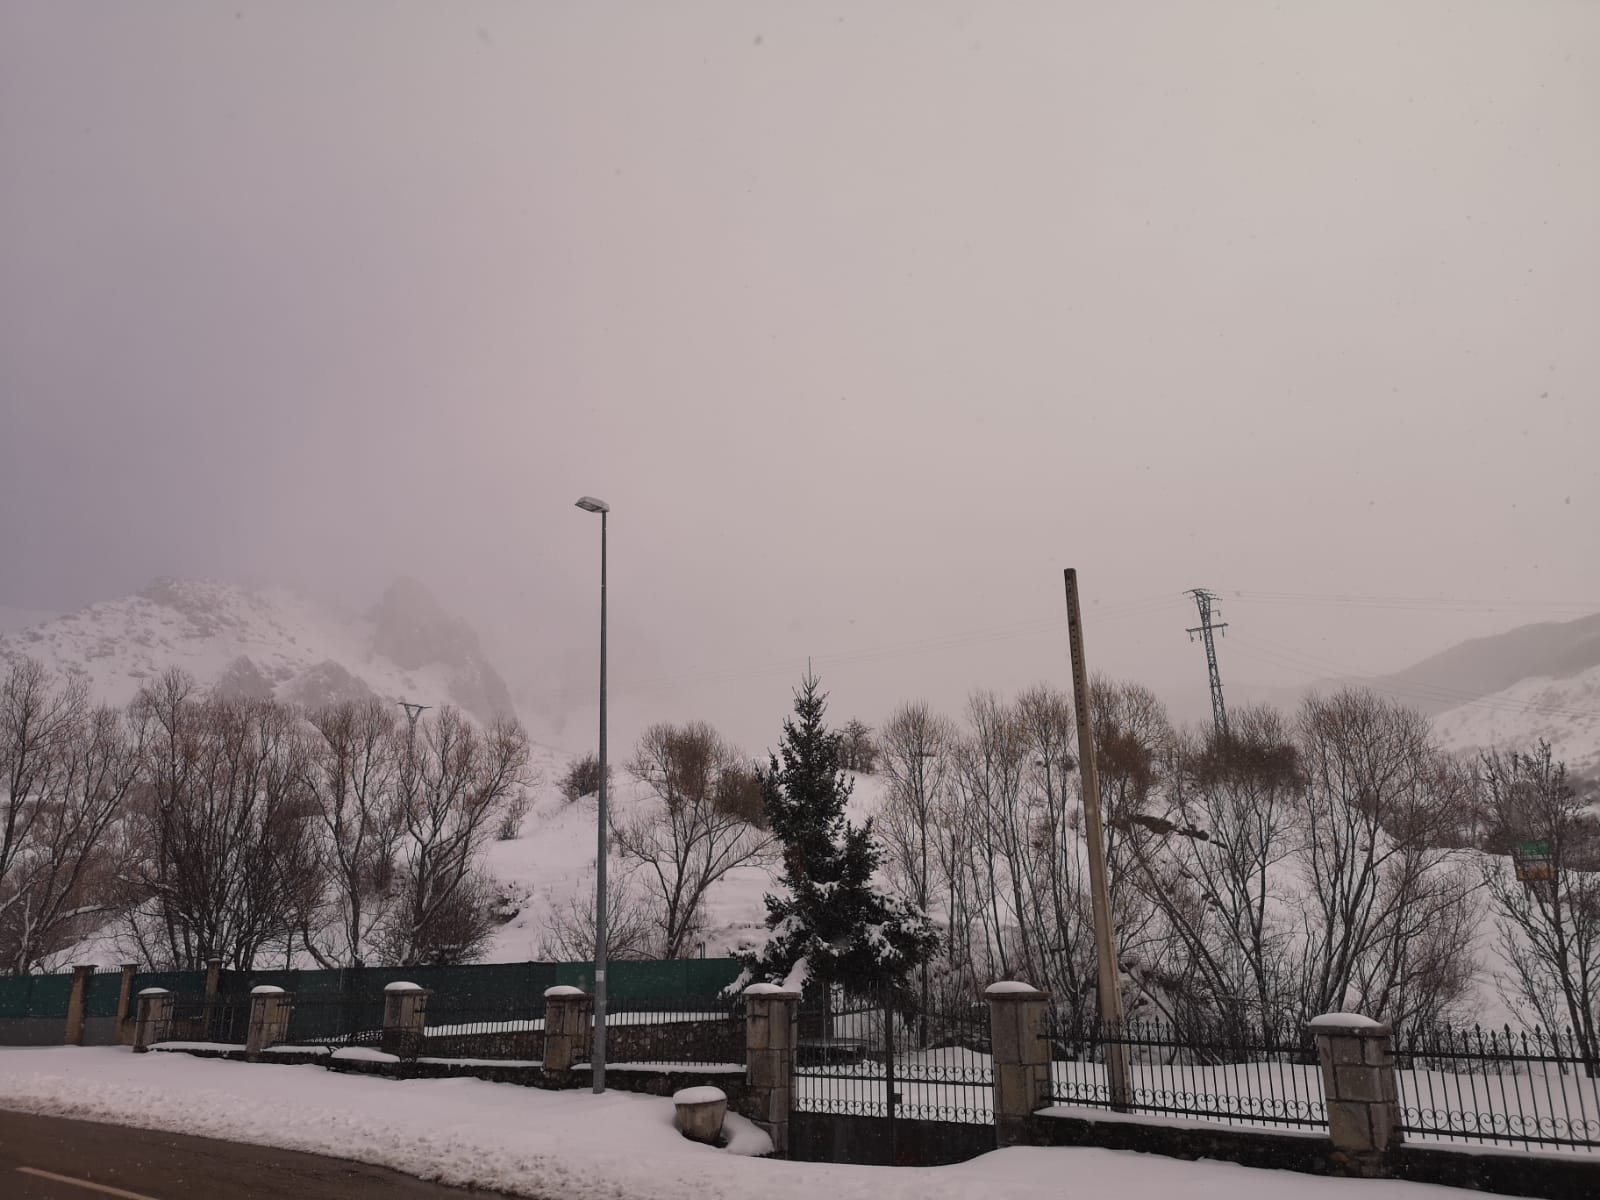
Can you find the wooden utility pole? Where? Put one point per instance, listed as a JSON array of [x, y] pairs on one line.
[[1105, 945]]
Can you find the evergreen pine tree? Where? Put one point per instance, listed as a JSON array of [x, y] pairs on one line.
[[832, 927]]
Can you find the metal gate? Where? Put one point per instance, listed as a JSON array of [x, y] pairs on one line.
[[860, 1055]]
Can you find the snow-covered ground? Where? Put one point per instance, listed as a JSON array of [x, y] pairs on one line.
[[1564, 712], [574, 1144]]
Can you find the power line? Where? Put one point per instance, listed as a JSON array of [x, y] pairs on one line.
[[1417, 603], [1035, 628]]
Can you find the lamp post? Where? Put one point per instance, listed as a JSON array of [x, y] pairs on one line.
[[598, 1057]]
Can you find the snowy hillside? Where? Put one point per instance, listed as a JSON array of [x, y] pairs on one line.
[[1563, 711], [270, 643], [552, 864]]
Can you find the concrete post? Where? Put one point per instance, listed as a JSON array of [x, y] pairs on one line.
[[405, 1016], [126, 1008], [770, 1023], [1018, 1031], [568, 1028], [77, 1003], [155, 1018], [213, 977], [269, 1019], [1357, 1057]]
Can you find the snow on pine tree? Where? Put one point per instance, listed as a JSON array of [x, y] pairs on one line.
[[832, 927]]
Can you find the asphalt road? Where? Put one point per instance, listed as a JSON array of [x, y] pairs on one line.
[[48, 1158]]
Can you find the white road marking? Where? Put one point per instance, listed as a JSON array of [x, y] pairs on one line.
[[102, 1188]]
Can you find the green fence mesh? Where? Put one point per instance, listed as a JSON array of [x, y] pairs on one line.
[[104, 988], [35, 995], [486, 983]]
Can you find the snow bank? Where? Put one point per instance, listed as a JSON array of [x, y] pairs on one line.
[[574, 1144]]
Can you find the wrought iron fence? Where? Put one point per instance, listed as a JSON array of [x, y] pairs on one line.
[[215, 1020], [1533, 1088], [863, 1055], [498, 1028], [334, 1022], [1232, 1073], [671, 1032]]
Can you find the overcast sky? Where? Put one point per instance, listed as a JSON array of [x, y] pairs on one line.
[[865, 318]]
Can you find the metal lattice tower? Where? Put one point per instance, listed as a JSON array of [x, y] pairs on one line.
[[1205, 601], [413, 711]]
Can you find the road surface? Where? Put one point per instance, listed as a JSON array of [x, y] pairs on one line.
[[48, 1158]]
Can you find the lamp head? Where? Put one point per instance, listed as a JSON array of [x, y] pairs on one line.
[[590, 504]]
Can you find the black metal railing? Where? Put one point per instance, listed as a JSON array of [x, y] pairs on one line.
[[1230, 1073], [334, 1022], [865, 1056], [500, 1028], [216, 1020], [673, 1032], [1533, 1088]]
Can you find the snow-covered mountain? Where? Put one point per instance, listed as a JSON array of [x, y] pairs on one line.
[[271, 643], [1563, 711], [1509, 690]]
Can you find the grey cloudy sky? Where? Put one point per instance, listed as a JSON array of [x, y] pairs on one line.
[[867, 319]]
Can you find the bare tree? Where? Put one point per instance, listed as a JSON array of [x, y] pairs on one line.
[[1134, 742], [228, 857], [989, 765], [630, 928], [1550, 923], [1058, 869], [915, 747], [352, 774], [67, 770], [583, 777], [452, 783], [1210, 862], [857, 749], [1384, 901], [696, 834], [914, 752]]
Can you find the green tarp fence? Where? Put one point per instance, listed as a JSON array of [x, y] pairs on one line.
[[35, 995], [487, 983]]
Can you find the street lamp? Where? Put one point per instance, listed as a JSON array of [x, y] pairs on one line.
[[598, 1058]]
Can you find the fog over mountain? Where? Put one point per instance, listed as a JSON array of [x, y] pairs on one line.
[[866, 321], [271, 645]]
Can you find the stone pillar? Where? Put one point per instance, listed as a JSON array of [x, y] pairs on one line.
[[126, 1008], [269, 1019], [155, 1018], [77, 1003], [770, 1024], [405, 1016], [1018, 1032], [568, 1028], [213, 977], [1357, 1057]]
